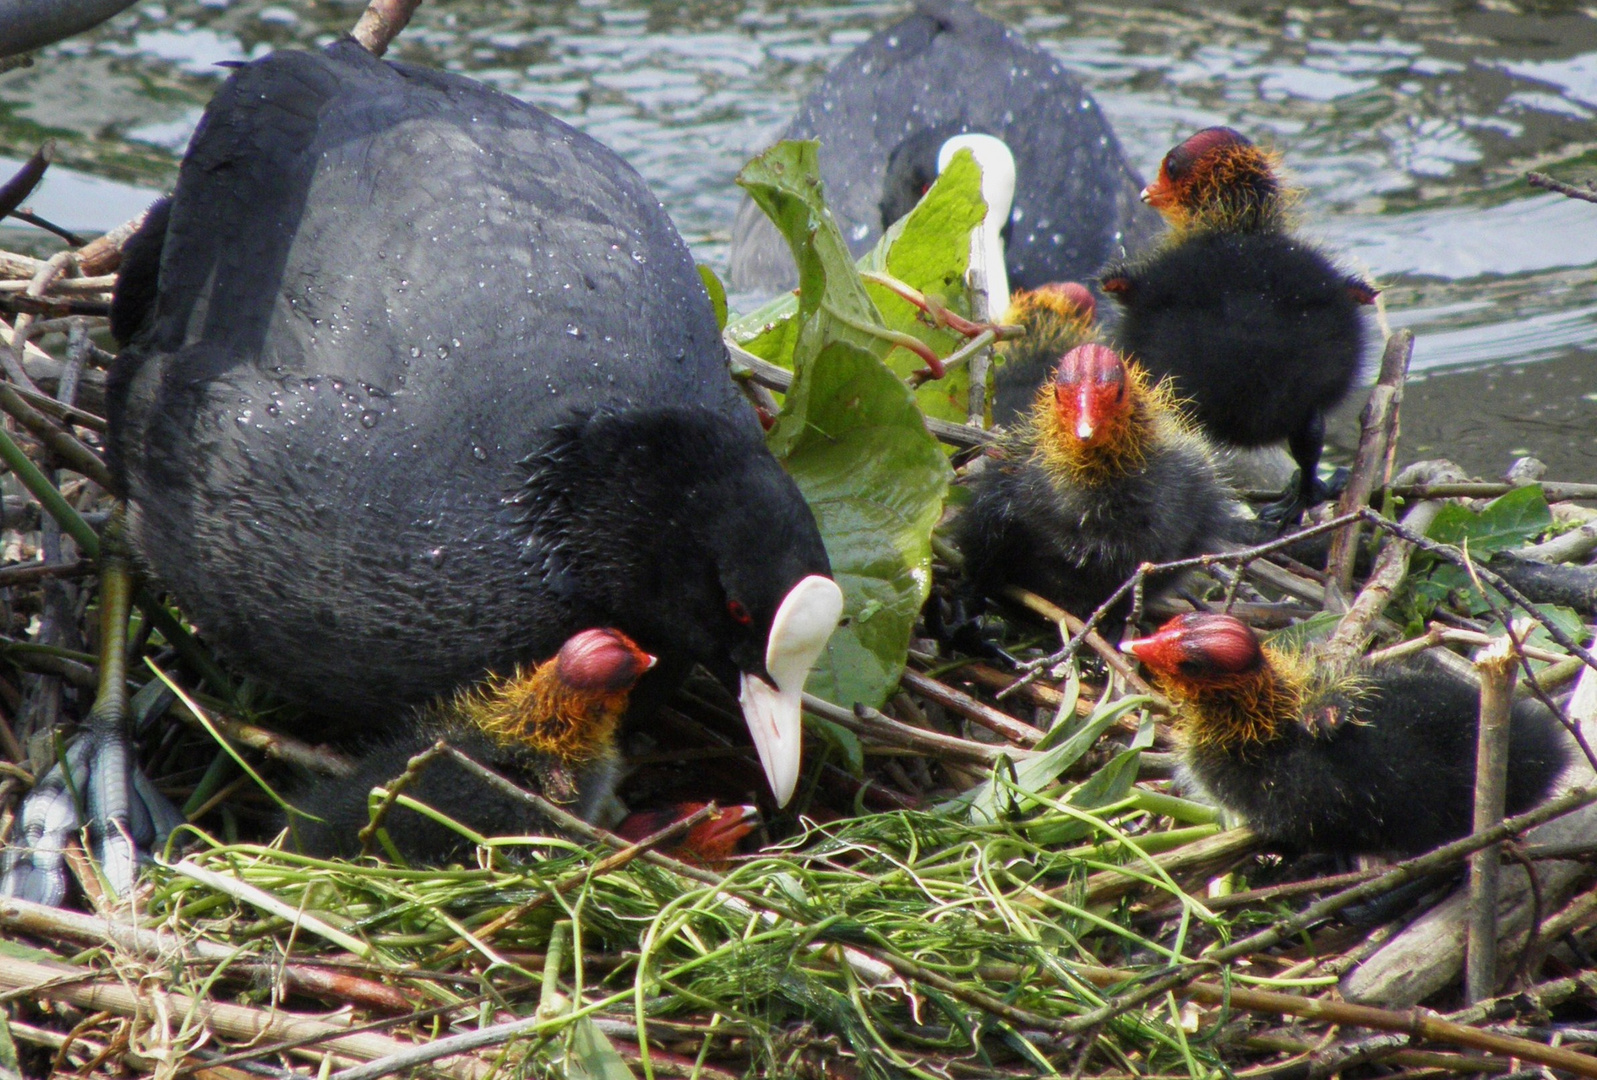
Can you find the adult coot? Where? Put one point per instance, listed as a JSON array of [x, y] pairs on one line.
[[1369, 760], [419, 381], [883, 113]]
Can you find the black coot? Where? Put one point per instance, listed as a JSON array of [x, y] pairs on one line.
[[419, 381], [883, 113]]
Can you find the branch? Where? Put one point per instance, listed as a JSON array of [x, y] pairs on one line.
[[381, 23]]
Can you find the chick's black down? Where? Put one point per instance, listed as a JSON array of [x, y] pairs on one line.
[[1075, 545], [1396, 775], [1259, 332], [946, 69], [427, 384], [333, 811]]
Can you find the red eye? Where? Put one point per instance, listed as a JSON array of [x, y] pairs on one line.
[[738, 612]]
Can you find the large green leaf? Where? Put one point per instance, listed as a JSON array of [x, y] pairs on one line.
[[785, 182], [851, 436], [928, 249]]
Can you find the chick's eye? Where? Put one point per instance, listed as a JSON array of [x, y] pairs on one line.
[[739, 613]]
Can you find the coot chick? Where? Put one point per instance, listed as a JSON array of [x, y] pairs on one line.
[[944, 70], [1258, 329], [1373, 760], [552, 730], [1057, 317], [428, 383], [1105, 475]]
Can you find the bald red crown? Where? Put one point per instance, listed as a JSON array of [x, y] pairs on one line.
[[1182, 160], [603, 660], [1199, 645], [1214, 169], [1073, 293], [1090, 391]]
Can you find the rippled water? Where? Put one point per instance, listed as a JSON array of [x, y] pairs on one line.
[[1410, 127]]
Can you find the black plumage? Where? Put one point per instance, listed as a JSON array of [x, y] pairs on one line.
[[943, 70], [1376, 760], [419, 380], [1071, 518], [333, 812], [1259, 331]]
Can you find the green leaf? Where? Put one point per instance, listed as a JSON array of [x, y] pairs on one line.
[[850, 435], [991, 800], [717, 291], [785, 182], [590, 1055], [928, 249], [1507, 521]]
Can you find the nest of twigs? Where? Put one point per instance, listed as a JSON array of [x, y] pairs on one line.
[[970, 883]]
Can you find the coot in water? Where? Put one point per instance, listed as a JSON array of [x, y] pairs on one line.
[[884, 111], [1372, 760]]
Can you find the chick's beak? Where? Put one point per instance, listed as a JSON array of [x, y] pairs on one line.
[[1141, 648], [805, 619]]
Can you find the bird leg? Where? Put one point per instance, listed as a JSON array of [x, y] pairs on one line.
[[95, 783], [1306, 489]]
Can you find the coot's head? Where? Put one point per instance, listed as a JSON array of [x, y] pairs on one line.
[[921, 158], [1219, 177], [763, 607], [1200, 649], [567, 707], [1093, 396]]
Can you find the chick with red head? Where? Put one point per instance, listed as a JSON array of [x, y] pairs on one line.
[[1366, 760], [1257, 329], [1104, 475], [551, 730]]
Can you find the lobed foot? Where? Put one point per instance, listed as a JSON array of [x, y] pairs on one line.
[[93, 786]]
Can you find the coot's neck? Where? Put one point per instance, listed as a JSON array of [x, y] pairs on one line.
[[1249, 709], [534, 712]]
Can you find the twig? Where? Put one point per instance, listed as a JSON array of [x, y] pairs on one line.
[[971, 709], [872, 724], [381, 22], [236, 1022], [1554, 491], [265, 901], [1547, 183], [1347, 641], [104, 254], [22, 183], [1401, 874], [394, 788], [1496, 669], [1377, 432], [1411, 1022]]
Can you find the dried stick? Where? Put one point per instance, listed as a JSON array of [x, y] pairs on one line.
[[1411, 1022], [1547, 183], [103, 254], [1346, 642], [880, 728], [381, 22], [1496, 669], [971, 709], [234, 1022], [1377, 434]]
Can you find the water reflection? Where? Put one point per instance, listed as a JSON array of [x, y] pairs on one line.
[[1409, 128]]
